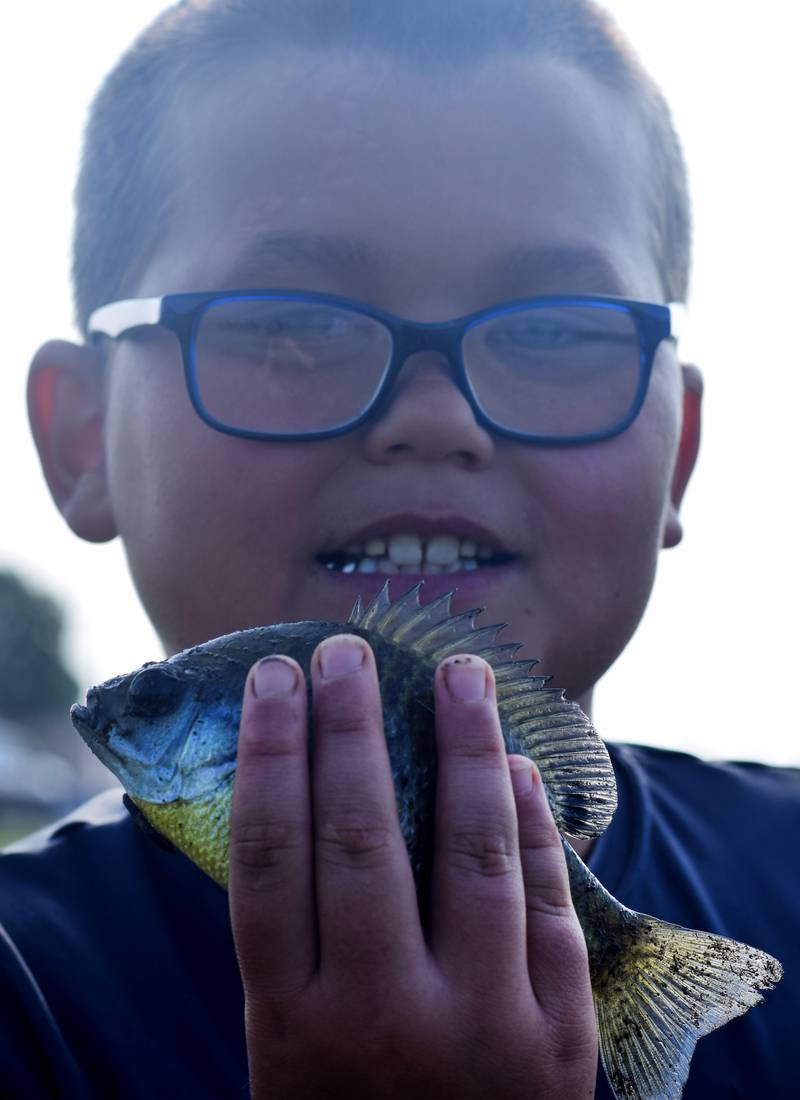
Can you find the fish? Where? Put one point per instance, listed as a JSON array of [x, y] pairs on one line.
[[168, 731]]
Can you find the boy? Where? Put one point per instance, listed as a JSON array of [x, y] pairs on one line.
[[358, 160]]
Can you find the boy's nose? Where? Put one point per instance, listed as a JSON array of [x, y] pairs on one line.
[[428, 419]]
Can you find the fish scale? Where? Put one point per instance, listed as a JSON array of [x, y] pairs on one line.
[[657, 987]]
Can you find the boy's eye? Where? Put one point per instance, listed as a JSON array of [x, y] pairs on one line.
[[564, 345], [559, 331], [293, 324], [533, 336], [285, 335]]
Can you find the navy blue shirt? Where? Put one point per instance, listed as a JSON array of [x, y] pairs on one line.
[[118, 976]]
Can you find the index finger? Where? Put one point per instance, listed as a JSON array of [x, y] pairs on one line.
[[271, 875]]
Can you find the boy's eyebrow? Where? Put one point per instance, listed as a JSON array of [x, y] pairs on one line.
[[562, 267], [302, 247]]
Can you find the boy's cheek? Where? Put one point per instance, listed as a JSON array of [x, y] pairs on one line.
[[213, 526], [601, 511]]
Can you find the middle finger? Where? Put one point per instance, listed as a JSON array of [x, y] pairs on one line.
[[366, 901]]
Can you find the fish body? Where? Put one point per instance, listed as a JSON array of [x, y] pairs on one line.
[[169, 732]]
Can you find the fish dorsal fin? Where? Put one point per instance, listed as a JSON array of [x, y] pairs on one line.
[[556, 734]]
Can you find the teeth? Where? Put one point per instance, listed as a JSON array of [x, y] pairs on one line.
[[443, 550], [408, 553], [405, 550]]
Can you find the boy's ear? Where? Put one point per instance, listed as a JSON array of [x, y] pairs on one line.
[[66, 407], [687, 451]]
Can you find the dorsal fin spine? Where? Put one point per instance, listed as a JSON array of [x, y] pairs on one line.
[[555, 732]]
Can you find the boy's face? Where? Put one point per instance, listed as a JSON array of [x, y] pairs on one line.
[[442, 184]]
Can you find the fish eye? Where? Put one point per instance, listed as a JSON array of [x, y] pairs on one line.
[[154, 691]]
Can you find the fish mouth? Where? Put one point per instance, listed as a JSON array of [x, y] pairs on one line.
[[85, 718], [419, 546], [79, 716]]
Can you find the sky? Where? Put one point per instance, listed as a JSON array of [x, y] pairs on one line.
[[711, 668]]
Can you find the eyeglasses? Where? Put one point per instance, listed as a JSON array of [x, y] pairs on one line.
[[290, 364]]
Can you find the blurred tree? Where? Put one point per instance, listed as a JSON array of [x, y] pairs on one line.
[[33, 678]]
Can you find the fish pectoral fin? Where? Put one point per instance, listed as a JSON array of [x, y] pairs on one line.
[[664, 991]]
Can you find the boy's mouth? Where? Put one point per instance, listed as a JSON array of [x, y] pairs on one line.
[[411, 550]]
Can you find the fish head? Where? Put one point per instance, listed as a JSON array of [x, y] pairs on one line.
[[167, 730]]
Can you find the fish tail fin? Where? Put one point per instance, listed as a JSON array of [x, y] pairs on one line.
[[666, 988]]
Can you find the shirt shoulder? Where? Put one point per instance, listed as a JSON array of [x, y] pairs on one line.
[[105, 808], [658, 761], [66, 866], [724, 818], [729, 797]]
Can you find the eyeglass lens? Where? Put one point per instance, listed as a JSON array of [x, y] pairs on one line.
[[294, 366]]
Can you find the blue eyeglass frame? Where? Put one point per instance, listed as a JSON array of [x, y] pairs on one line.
[[182, 314]]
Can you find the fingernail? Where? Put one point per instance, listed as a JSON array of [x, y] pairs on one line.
[[466, 678], [340, 655], [274, 676], [521, 774]]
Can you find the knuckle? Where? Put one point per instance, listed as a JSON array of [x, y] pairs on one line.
[[478, 740], [549, 900], [540, 846], [265, 845], [562, 940], [572, 949], [483, 850], [354, 838], [359, 721], [278, 741], [539, 836], [486, 751], [573, 1037], [271, 729], [547, 889]]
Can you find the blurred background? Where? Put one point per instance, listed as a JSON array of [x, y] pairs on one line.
[[712, 666], [44, 769]]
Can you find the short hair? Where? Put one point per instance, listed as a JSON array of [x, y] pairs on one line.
[[127, 182]]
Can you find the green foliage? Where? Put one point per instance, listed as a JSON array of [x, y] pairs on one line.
[[33, 678]]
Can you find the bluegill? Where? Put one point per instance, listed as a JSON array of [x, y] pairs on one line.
[[169, 730]]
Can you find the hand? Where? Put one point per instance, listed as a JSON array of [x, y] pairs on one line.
[[344, 997]]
